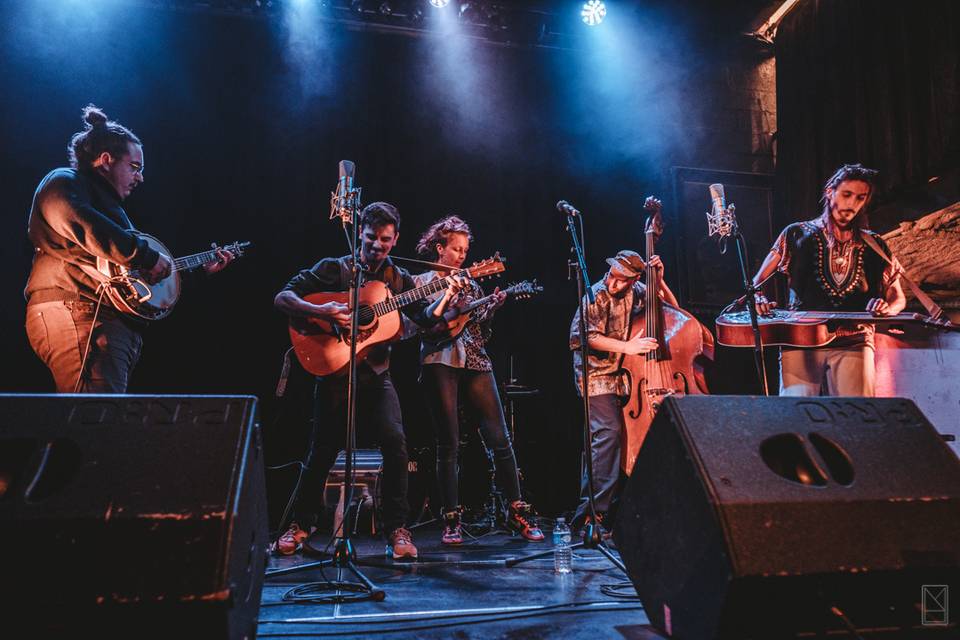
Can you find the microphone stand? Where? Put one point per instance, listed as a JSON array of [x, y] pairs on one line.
[[750, 296], [591, 538], [344, 554]]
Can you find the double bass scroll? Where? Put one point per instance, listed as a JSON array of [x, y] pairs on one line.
[[675, 367]]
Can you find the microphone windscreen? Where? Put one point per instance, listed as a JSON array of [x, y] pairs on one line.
[[347, 168], [716, 191]]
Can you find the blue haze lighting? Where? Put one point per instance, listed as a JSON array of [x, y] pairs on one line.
[[439, 4], [593, 12]]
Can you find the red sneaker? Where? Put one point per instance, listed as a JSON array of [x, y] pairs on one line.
[[291, 540], [452, 531], [523, 520], [401, 545]]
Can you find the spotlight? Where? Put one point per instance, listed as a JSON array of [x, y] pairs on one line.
[[385, 8], [439, 4], [593, 12]]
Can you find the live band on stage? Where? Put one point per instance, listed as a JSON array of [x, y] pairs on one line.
[[97, 281]]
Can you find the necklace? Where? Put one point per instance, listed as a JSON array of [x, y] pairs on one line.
[[841, 254]]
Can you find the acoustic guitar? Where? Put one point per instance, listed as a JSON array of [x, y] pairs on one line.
[[323, 348], [808, 328], [130, 293]]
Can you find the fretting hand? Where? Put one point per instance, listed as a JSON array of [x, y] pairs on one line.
[[224, 258]]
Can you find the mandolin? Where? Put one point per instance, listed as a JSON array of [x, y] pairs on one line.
[[459, 318]]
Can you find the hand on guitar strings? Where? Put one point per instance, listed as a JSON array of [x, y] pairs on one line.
[[879, 307], [456, 284], [336, 313], [224, 258], [764, 307], [499, 297], [160, 270]]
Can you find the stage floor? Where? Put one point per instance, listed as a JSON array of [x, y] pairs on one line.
[[462, 592]]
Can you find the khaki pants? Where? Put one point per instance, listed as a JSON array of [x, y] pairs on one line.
[[847, 371], [58, 333]]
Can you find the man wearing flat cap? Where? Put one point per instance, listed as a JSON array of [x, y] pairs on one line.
[[619, 297]]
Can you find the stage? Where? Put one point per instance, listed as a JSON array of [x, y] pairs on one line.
[[448, 593]]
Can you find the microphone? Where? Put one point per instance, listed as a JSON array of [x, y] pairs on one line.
[[720, 220], [716, 194], [342, 199], [566, 208]]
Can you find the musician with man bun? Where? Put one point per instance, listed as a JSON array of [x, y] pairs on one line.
[[830, 266], [75, 219]]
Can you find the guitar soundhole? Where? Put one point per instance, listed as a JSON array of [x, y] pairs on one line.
[[366, 316]]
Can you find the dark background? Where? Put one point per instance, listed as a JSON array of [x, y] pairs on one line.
[[244, 119]]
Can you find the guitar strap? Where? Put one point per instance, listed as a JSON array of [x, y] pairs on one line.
[[933, 309]]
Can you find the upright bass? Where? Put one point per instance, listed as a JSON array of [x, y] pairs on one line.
[[675, 367]]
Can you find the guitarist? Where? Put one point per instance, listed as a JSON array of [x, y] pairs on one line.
[[829, 267], [619, 297], [76, 218], [378, 403], [462, 368]]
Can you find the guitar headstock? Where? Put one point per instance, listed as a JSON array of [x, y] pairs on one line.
[[524, 289], [237, 248], [486, 268], [654, 224]]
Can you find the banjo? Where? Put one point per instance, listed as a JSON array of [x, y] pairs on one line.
[[131, 294]]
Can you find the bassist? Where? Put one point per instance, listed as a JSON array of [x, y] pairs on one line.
[[829, 267], [619, 298]]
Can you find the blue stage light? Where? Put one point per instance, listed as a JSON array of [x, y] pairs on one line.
[[593, 12], [439, 3]]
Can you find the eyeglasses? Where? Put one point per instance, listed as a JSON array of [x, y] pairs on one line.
[[137, 167]]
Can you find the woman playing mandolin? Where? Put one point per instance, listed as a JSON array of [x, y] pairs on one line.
[[461, 368]]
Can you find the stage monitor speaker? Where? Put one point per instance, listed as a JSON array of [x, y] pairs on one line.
[[131, 516], [767, 517]]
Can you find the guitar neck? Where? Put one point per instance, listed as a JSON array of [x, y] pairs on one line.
[[855, 316], [412, 295], [193, 261]]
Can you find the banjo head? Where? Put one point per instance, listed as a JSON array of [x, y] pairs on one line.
[[160, 297]]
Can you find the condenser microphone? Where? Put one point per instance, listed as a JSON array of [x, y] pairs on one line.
[[716, 194], [566, 208], [720, 220], [340, 200]]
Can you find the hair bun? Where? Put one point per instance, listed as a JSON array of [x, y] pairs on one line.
[[94, 116]]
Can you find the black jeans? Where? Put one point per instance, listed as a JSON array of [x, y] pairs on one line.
[[377, 408], [442, 385], [58, 333]]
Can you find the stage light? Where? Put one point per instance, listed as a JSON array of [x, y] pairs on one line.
[[593, 12], [439, 4]]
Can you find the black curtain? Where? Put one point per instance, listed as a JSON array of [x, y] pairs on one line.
[[868, 81]]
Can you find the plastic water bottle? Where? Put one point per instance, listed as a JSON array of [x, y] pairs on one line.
[[562, 553]]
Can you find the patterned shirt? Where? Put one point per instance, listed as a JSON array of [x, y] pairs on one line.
[[833, 276], [468, 351], [609, 316]]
